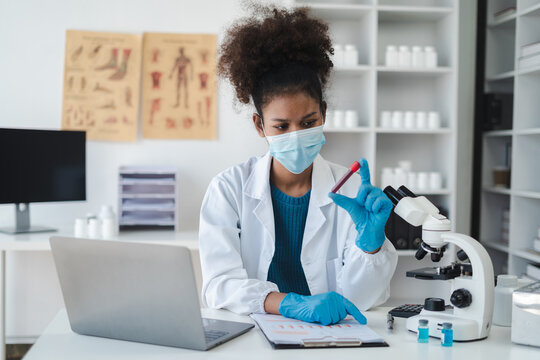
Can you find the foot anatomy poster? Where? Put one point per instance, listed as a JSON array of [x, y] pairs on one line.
[[179, 86], [102, 84]]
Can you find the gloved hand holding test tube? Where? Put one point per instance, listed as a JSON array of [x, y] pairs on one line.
[[352, 169], [369, 210]]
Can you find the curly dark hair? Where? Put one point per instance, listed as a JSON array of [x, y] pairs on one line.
[[276, 51]]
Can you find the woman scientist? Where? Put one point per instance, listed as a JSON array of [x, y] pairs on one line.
[[272, 236]]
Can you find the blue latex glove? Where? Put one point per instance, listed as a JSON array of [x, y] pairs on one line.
[[328, 308], [369, 211]]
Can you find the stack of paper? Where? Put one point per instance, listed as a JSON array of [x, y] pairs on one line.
[[283, 331], [530, 55]]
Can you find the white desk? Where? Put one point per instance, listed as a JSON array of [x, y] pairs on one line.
[[59, 342], [40, 242]]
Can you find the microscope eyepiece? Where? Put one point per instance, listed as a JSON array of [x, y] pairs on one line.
[[392, 194], [403, 190]]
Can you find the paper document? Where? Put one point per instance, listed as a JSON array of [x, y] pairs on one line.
[[282, 330]]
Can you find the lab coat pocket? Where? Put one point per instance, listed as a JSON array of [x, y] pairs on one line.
[[333, 270]]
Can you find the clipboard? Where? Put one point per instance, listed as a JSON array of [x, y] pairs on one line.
[[284, 333]]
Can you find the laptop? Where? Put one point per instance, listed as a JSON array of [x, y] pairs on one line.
[[136, 292]]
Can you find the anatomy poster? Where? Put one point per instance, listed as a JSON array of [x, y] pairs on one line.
[[102, 84], [179, 86]]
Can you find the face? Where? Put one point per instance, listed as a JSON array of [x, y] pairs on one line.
[[289, 112]]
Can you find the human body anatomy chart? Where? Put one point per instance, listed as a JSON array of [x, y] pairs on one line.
[[101, 84], [179, 90]]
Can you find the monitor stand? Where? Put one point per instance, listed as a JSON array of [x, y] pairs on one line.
[[22, 222]]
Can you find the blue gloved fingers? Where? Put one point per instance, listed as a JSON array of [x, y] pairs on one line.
[[364, 172], [341, 200], [353, 310], [363, 192], [382, 205], [333, 310], [373, 195], [342, 311]]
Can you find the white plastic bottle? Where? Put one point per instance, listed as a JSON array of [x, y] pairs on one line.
[[404, 56], [418, 57], [108, 223], [350, 55], [339, 55], [502, 307], [430, 57], [392, 59]]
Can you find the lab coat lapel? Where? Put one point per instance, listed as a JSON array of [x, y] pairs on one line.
[[258, 187], [322, 181]]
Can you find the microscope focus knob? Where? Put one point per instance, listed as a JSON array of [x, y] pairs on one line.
[[461, 298]]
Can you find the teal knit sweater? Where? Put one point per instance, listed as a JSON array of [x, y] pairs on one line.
[[290, 215]]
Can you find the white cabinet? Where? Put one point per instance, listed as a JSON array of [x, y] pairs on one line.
[[372, 87], [507, 35]]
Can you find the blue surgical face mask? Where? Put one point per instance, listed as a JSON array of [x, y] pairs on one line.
[[296, 150]]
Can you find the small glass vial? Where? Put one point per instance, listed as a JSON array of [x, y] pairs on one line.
[[447, 338], [423, 331]]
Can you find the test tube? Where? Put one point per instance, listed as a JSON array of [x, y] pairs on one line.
[[354, 168]]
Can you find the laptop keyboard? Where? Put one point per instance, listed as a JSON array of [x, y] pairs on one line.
[[212, 335]]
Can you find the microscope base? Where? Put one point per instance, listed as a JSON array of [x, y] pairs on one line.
[[464, 329]]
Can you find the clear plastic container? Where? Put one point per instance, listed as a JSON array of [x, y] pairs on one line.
[[502, 307]]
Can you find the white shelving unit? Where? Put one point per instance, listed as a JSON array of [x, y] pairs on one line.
[[504, 38], [372, 87], [147, 196]]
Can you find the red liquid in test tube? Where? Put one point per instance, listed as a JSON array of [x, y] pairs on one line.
[[354, 168]]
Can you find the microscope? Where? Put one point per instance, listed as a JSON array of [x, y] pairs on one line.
[[472, 284]]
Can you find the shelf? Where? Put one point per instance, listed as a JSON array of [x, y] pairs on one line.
[[420, 71], [496, 245], [493, 133], [413, 131], [533, 70], [497, 190], [507, 75], [397, 13], [148, 196], [135, 208], [338, 11], [526, 194], [528, 254], [148, 222], [147, 182], [534, 131], [533, 10], [347, 130], [504, 21], [359, 69]]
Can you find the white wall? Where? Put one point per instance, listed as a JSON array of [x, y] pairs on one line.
[[32, 34]]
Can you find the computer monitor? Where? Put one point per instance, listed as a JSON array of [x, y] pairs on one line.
[[40, 166]]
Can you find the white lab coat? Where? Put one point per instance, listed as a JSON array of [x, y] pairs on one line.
[[236, 241]]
